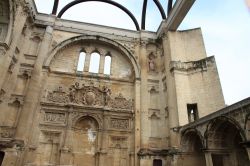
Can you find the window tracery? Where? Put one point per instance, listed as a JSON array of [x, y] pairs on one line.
[[94, 62]]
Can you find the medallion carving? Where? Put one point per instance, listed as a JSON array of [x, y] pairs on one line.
[[89, 95]]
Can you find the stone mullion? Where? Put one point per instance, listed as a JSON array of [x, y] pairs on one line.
[[101, 64], [87, 61]]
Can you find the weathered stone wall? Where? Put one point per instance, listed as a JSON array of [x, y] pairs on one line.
[[49, 111]]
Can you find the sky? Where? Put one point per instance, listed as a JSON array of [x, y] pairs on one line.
[[225, 26]]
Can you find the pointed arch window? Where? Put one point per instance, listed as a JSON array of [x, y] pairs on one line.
[[81, 61], [94, 62], [107, 65]]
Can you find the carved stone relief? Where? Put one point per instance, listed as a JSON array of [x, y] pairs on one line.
[[51, 117], [12, 64], [152, 67], [118, 142], [89, 95], [6, 132], [119, 123], [120, 102], [193, 65]]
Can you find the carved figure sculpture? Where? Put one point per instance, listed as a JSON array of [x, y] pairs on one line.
[[151, 62]]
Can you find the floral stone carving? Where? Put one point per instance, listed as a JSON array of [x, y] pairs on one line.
[[89, 95]]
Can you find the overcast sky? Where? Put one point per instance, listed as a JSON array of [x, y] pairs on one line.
[[225, 25]]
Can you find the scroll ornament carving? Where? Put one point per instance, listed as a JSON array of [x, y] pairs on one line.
[[54, 117], [120, 102], [89, 95]]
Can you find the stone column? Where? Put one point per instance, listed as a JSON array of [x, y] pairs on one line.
[[137, 118], [65, 153], [144, 121], [87, 61], [209, 161], [29, 117], [101, 64], [171, 96], [5, 58]]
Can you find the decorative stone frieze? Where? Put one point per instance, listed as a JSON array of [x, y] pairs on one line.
[[202, 64], [51, 117], [89, 95], [120, 102], [119, 123]]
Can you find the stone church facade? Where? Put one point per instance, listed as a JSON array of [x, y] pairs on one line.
[[74, 94]]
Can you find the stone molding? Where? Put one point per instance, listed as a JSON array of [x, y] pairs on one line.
[[202, 64]]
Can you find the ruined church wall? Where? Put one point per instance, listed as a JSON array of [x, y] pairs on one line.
[[195, 75]]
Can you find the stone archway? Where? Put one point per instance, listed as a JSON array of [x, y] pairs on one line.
[[223, 139], [85, 141], [192, 148]]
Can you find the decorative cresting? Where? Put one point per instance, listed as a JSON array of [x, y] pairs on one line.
[[90, 38], [89, 95]]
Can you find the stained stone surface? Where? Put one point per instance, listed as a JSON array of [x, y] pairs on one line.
[[52, 114]]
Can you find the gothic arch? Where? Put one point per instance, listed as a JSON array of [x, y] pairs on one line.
[[192, 146], [191, 135], [219, 128], [115, 44]]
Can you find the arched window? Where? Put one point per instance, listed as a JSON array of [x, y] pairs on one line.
[[94, 62], [81, 60], [1, 157], [107, 65]]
